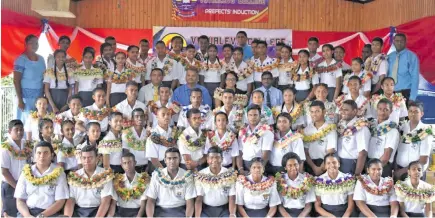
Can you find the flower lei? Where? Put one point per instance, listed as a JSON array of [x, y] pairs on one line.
[[397, 99], [228, 141], [256, 188], [243, 73], [34, 115], [228, 66], [132, 142], [207, 65], [313, 64], [167, 182], [61, 76], [122, 78], [176, 57], [87, 74], [415, 195], [239, 99], [68, 151], [18, 154], [167, 142], [268, 66], [417, 135], [294, 192], [137, 70], [302, 77], [335, 186], [328, 69], [255, 135], [95, 114], [173, 109], [44, 180], [225, 179], [344, 130], [288, 66], [167, 66], [361, 109], [330, 107], [127, 194], [109, 146], [74, 179], [364, 76], [372, 64], [382, 129], [372, 188], [296, 112], [288, 138], [187, 65], [319, 135], [193, 145]]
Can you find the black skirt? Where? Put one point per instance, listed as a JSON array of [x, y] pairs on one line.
[[9, 202], [86, 98], [85, 211], [379, 211], [127, 212], [170, 212], [211, 211], [116, 98], [256, 212], [59, 97]]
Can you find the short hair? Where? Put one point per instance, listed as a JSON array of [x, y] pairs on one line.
[[193, 69], [164, 86], [333, 154], [285, 115], [131, 47], [255, 41], [98, 89], [400, 35], [131, 83], [387, 102], [89, 50], [177, 37], [44, 144], [388, 78], [358, 60], [231, 47], [317, 103], [89, 148], [114, 114], [351, 103], [137, 110], [191, 112], [75, 96], [161, 42], [109, 38], [328, 46], [313, 39], [256, 160], [221, 113], [340, 47], [196, 90], [92, 123], [372, 161], [266, 73], [289, 156], [262, 42], [258, 91], [144, 41], [417, 104], [369, 46], [229, 91], [14, 123], [190, 46], [103, 46], [355, 78], [64, 37], [157, 69], [254, 107], [173, 150], [214, 150], [204, 37], [413, 163], [239, 49], [127, 155], [29, 37], [289, 48], [378, 39], [243, 33]]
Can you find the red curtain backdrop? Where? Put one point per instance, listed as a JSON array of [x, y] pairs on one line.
[[15, 27]]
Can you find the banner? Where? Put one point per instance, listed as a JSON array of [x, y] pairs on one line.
[[221, 36], [251, 11]]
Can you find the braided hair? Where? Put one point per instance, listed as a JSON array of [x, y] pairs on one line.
[[64, 67], [41, 125], [304, 51], [217, 58]]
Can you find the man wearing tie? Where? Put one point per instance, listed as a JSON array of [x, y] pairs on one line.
[[403, 67], [272, 95]]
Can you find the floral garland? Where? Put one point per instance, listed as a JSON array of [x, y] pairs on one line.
[[319, 135], [288, 66], [344, 130], [132, 142], [193, 145], [167, 182], [109, 146], [255, 135], [372, 64], [372, 188], [137, 70], [60, 118], [207, 65], [68, 151], [294, 192], [296, 112], [167, 67], [256, 188], [228, 66], [173, 109], [382, 129], [127, 194], [239, 99], [167, 142], [18, 154], [268, 66], [96, 181], [61, 76], [225, 179], [364, 76], [288, 138], [417, 135], [330, 108], [361, 109], [302, 77], [244, 73], [226, 144], [328, 69], [122, 78], [313, 64], [176, 57], [96, 114], [339, 186], [87, 74], [187, 65], [44, 180], [397, 99], [56, 143], [34, 115], [415, 195]]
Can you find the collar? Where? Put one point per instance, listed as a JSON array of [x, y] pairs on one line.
[[179, 175], [161, 130], [49, 169], [298, 178], [12, 142]]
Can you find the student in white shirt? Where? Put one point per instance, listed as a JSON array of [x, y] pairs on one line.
[[42, 188], [134, 139], [377, 64], [150, 91], [285, 141], [362, 102], [168, 65], [264, 63], [321, 94], [329, 72], [295, 188], [164, 101], [320, 138], [243, 71], [215, 200], [415, 143], [129, 205], [385, 137], [92, 138], [228, 61], [66, 157], [143, 57], [89, 199], [32, 122], [64, 43], [314, 58], [116, 83], [188, 62], [111, 146], [266, 114], [285, 67], [105, 61], [374, 195], [256, 195], [98, 111], [73, 114], [290, 106], [212, 70], [130, 103], [46, 130], [171, 192], [233, 112], [195, 102], [339, 54], [15, 153], [334, 190], [357, 70], [302, 75], [134, 64], [354, 137]]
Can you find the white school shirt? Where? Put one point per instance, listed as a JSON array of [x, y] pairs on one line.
[[138, 64], [173, 73], [318, 149], [51, 59], [330, 115], [171, 197], [299, 203], [120, 88], [78, 136], [243, 84], [91, 197], [360, 194], [382, 70], [345, 66], [359, 102], [182, 76], [194, 155], [284, 77], [379, 143], [115, 157], [266, 115], [412, 206], [329, 78], [212, 75], [300, 121], [406, 153], [396, 113], [104, 124], [88, 85], [231, 117], [152, 118], [206, 117], [350, 146], [227, 156], [60, 84], [215, 197], [9, 162], [31, 125], [334, 198], [366, 87], [42, 196], [245, 198], [264, 143], [296, 146], [315, 57], [132, 203], [126, 109], [70, 162], [303, 85], [146, 93], [267, 61], [141, 160], [155, 150]]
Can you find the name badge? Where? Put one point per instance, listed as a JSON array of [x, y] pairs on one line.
[[302, 199], [321, 142], [51, 187], [266, 197], [284, 150]]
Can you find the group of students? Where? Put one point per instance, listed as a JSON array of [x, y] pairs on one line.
[[96, 136]]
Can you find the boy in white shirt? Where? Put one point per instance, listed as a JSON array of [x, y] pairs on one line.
[[195, 100], [130, 103], [98, 111]]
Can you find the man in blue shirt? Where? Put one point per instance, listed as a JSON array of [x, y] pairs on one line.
[[242, 41], [272, 95], [404, 68], [182, 93]]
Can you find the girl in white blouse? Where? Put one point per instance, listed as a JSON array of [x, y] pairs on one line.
[[302, 76], [66, 152], [290, 106], [212, 72], [374, 194]]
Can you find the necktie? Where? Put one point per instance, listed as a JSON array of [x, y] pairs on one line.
[[268, 102], [156, 95], [395, 68]]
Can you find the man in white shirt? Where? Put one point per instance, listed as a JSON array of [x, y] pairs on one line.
[[235, 115], [315, 58], [164, 101], [150, 92], [169, 66], [171, 192], [264, 63], [377, 64], [195, 100], [99, 108], [130, 103], [353, 141], [361, 101], [339, 53]]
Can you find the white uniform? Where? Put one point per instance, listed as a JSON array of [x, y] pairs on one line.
[[232, 116], [70, 162], [284, 77], [120, 88], [147, 93], [132, 203], [212, 75], [300, 121], [319, 148], [268, 61], [154, 150], [126, 109], [307, 198], [250, 200], [366, 87], [266, 115], [360, 194], [88, 85], [60, 73], [251, 150], [137, 65], [227, 155], [334, 198], [212, 196], [399, 110], [206, 117], [78, 136], [42, 196], [363, 105], [103, 123], [379, 143], [9, 162], [152, 118], [350, 146], [329, 78], [330, 115], [139, 155], [31, 126], [173, 71], [382, 69], [194, 155], [412, 206], [296, 146], [305, 84], [243, 84], [115, 156]]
